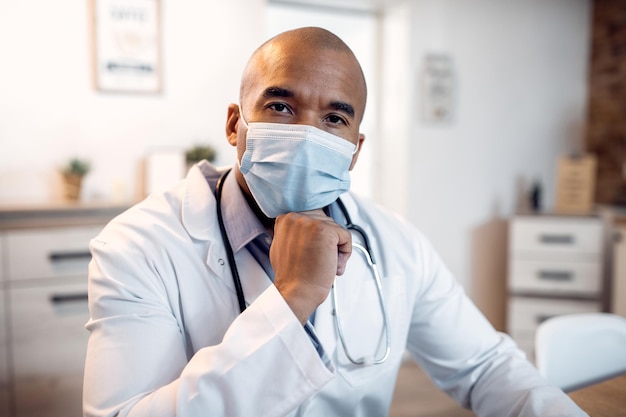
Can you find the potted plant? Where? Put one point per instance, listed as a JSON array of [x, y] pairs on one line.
[[199, 152], [73, 173]]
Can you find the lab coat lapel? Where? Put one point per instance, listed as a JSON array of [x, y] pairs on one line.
[[199, 218]]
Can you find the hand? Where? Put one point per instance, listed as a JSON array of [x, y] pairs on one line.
[[308, 250]]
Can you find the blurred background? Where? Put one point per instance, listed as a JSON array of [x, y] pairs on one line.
[[471, 107]]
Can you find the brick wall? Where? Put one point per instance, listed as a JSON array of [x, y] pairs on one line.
[[606, 129]]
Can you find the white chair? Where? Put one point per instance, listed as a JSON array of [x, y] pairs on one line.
[[575, 350]]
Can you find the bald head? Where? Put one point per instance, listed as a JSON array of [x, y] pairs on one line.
[[315, 37], [306, 76], [297, 45]]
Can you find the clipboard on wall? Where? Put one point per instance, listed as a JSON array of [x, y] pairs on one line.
[[576, 180]]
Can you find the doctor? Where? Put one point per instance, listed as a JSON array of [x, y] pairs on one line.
[[190, 315]]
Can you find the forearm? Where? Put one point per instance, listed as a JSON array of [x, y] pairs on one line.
[[481, 368], [237, 377], [265, 366], [511, 386]]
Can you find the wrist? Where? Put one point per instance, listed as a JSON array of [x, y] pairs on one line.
[[300, 302]]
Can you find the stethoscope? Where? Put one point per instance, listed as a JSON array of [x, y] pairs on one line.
[[365, 249]]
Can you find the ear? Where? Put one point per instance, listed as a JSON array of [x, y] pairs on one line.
[[232, 122], [359, 144]]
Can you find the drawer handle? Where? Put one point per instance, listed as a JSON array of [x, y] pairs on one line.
[[69, 256], [543, 317], [557, 239], [67, 298], [556, 275]]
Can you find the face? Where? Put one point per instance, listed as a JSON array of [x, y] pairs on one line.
[[287, 83]]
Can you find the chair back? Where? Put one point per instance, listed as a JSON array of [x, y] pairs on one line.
[[575, 350]]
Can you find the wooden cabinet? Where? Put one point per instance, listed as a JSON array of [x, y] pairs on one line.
[[526, 313], [46, 271], [44, 286], [555, 267], [4, 347], [618, 290]]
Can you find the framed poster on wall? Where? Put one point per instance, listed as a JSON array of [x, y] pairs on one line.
[[126, 45], [438, 89]]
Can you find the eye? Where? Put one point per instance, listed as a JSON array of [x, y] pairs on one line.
[[279, 107], [336, 120]]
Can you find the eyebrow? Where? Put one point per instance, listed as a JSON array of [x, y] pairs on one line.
[[283, 92], [343, 107], [277, 92]]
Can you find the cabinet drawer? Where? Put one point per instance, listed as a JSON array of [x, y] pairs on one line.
[[526, 313], [556, 277], [49, 343], [553, 235], [47, 328], [48, 253]]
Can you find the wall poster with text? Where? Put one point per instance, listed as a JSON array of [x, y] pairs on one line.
[[438, 90], [126, 45]]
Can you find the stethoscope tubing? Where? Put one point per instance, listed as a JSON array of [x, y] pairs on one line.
[[381, 301], [241, 300], [365, 249]]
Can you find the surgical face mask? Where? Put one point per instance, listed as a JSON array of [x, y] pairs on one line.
[[291, 167]]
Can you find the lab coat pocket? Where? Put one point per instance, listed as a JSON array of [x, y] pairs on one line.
[[364, 330]]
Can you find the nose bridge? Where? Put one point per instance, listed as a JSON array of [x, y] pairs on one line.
[[309, 116]]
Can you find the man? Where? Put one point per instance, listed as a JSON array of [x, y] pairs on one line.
[[185, 319]]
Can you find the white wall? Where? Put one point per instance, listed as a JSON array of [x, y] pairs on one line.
[[392, 168], [520, 70], [49, 111]]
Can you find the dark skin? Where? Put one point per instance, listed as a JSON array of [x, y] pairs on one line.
[[298, 78]]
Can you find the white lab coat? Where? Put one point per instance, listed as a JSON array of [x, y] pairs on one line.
[[167, 340]]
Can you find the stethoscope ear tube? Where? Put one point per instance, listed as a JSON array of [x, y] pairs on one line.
[[352, 226]]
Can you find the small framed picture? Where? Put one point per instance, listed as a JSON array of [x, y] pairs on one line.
[[438, 90], [127, 45]]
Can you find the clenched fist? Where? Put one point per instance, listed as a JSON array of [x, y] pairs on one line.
[[308, 250]]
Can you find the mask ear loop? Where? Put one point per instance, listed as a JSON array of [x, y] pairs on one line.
[[356, 148], [241, 116], [246, 125]]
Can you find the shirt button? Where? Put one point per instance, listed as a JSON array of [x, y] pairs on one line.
[[221, 261]]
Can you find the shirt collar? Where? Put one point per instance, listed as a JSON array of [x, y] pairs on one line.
[[241, 223]]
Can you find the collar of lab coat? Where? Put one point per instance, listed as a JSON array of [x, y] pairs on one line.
[[198, 201], [199, 217]]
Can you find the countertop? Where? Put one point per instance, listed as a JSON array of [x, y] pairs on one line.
[[57, 214]]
